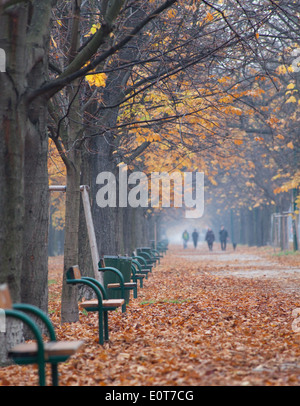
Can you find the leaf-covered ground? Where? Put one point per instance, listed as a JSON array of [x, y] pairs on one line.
[[220, 318]]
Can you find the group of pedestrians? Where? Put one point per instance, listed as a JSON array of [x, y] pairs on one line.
[[209, 238], [186, 237]]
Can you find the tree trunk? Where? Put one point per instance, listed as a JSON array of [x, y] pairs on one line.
[[69, 298], [12, 141], [34, 280], [105, 218], [109, 220], [72, 159], [24, 35], [12, 115]]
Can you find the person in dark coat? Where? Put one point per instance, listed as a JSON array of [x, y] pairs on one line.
[[210, 238], [195, 236], [223, 238]]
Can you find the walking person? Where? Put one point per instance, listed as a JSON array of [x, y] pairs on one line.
[[223, 238], [210, 238], [185, 237], [195, 236]]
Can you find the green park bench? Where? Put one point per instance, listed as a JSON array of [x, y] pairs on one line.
[[118, 277], [156, 254], [136, 275], [101, 304], [162, 246], [144, 267], [38, 352], [148, 254]]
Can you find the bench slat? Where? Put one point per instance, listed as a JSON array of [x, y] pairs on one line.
[[106, 303], [52, 348], [118, 285]]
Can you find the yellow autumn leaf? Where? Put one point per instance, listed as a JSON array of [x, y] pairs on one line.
[[93, 29], [238, 142], [290, 145], [172, 13], [209, 16], [53, 41], [281, 69], [291, 99], [224, 79], [98, 80], [291, 86], [154, 137]]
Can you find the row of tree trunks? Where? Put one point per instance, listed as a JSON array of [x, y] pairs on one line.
[[257, 227]]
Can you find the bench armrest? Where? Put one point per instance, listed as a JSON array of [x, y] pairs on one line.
[[133, 271], [148, 257], [115, 270], [33, 327], [134, 262], [144, 262], [25, 307], [98, 284], [91, 285], [139, 258], [121, 277], [156, 253]]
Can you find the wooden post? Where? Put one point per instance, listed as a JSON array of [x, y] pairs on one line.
[[89, 223], [91, 230]]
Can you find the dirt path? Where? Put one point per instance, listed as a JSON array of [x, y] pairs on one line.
[[202, 318], [250, 263]]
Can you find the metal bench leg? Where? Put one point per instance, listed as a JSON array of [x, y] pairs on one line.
[[54, 369], [105, 315], [101, 339], [42, 374]]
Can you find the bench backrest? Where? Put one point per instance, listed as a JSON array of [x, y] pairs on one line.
[[5, 298], [74, 272]]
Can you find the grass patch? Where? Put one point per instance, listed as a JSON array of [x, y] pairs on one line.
[[173, 301], [147, 302], [285, 253]]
